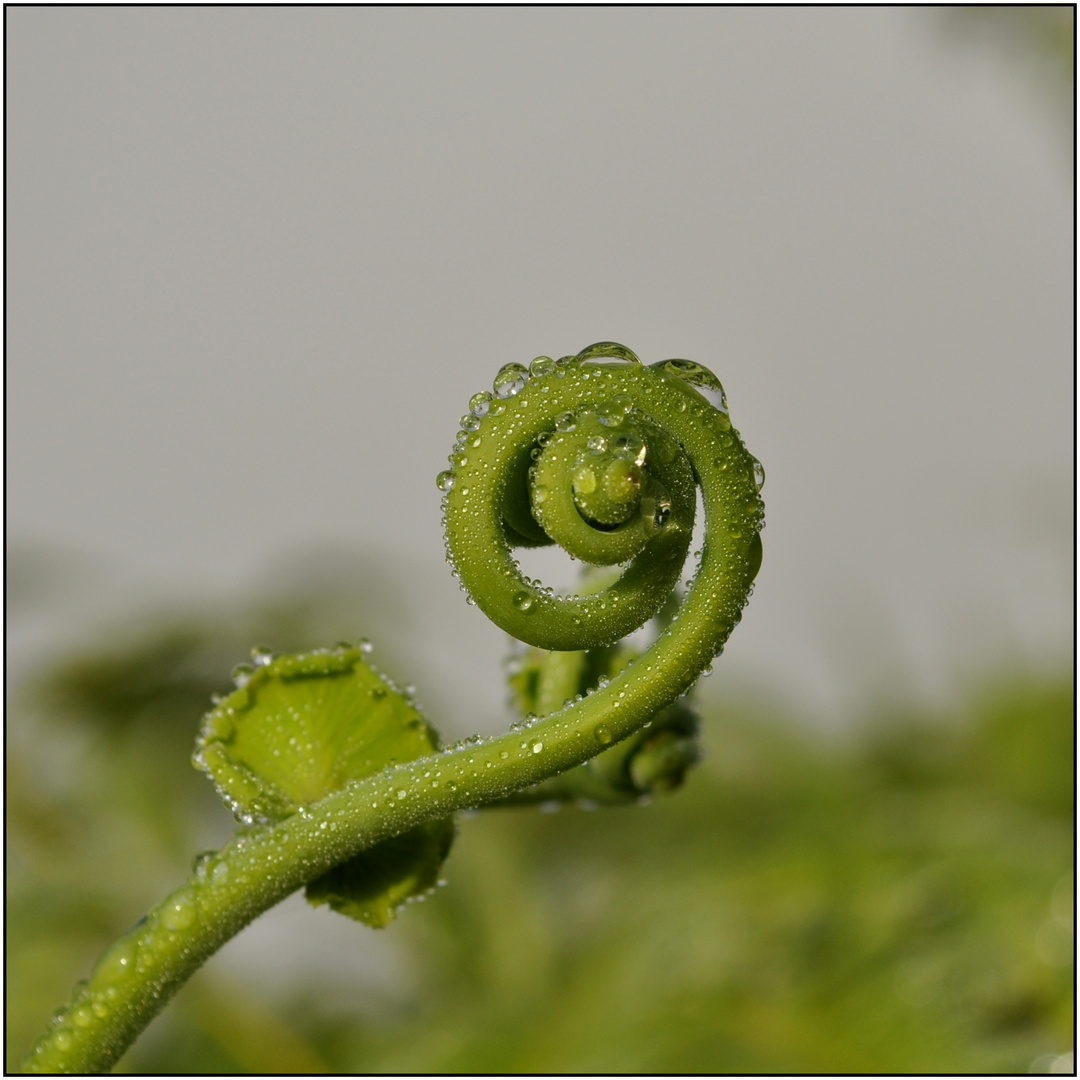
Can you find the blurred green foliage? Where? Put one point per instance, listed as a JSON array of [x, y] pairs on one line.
[[1042, 35], [899, 899]]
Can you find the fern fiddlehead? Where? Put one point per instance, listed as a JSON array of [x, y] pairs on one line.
[[602, 458], [595, 452]]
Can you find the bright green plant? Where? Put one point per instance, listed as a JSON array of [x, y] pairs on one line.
[[337, 779]]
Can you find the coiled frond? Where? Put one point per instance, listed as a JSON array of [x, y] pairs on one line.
[[603, 455]]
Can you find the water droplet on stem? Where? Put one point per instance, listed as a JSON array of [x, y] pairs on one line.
[[510, 380]]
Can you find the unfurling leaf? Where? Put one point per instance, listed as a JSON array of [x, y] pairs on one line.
[[300, 727]]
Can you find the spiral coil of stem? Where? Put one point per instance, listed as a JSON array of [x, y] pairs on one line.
[[605, 458], [595, 452]]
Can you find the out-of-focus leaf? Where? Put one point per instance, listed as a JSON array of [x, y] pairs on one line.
[[896, 901], [164, 674], [1025, 746]]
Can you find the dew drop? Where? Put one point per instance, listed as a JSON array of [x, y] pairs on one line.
[[117, 964], [630, 448], [696, 375], [523, 601], [469, 422], [241, 674], [566, 421], [603, 735], [199, 864], [584, 481], [542, 365], [510, 380], [261, 655], [178, 911], [480, 404], [757, 472], [597, 443], [445, 480], [537, 747], [612, 413]]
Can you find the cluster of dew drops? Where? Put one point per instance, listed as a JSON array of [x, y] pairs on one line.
[[509, 381], [262, 656], [253, 811], [512, 378]]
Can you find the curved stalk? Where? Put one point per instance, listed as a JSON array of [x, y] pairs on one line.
[[679, 429]]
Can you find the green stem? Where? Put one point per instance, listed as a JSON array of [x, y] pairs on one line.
[[259, 867]]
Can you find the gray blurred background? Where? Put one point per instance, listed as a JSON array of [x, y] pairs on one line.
[[259, 259]]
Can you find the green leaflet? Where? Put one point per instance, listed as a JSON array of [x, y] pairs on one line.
[[300, 727]]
